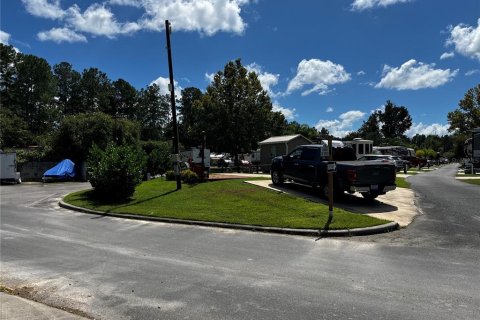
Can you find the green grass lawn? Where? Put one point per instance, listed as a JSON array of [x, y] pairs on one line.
[[228, 201], [471, 181], [412, 172], [402, 183]]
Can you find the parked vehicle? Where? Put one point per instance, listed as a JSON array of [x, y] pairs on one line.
[[307, 165], [62, 171], [415, 161], [8, 172], [472, 151], [397, 161], [361, 147]]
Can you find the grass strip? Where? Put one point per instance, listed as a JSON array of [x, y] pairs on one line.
[[471, 181], [228, 201], [402, 183]]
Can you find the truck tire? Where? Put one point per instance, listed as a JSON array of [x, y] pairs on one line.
[[277, 178], [369, 196]]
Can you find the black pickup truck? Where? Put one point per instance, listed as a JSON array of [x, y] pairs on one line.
[[307, 165]]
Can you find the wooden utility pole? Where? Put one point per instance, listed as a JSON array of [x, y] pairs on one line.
[[176, 152]]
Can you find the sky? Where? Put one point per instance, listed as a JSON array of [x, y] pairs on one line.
[[326, 63]]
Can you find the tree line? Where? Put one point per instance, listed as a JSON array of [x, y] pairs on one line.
[[65, 112]]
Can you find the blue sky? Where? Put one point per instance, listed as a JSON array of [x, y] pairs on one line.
[[327, 63]]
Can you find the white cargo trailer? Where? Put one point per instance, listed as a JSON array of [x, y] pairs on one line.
[[8, 164]]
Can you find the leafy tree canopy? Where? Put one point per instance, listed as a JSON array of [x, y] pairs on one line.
[[396, 120], [235, 112], [467, 116], [78, 133]]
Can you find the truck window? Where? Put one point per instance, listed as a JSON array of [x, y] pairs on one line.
[[309, 154], [295, 154]]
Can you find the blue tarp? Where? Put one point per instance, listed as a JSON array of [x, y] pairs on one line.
[[63, 170]]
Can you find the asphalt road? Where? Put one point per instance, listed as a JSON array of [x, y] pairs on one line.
[[111, 268], [451, 213]]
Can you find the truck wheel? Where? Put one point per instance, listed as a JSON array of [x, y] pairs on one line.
[[277, 178], [369, 196]]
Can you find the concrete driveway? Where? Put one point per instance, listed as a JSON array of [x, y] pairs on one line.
[[397, 205]]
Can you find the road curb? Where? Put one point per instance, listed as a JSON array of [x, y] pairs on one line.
[[384, 228]]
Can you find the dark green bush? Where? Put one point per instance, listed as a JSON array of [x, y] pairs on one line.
[[170, 175], [190, 177], [116, 171], [187, 176], [158, 156]]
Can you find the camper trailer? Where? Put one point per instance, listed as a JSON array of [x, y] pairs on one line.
[[360, 146], [472, 151]]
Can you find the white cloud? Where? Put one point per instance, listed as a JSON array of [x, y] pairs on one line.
[[427, 129], [289, 114], [360, 5], [329, 109], [4, 37], [132, 3], [98, 20], [61, 35], [44, 8], [447, 55], [343, 125], [209, 77], [163, 83], [267, 80], [472, 72], [413, 75], [466, 40], [320, 74], [361, 73], [204, 16]]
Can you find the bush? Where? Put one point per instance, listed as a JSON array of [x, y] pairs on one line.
[[170, 175], [190, 177], [158, 156], [115, 172]]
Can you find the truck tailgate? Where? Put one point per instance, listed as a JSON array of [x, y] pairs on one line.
[[373, 172]]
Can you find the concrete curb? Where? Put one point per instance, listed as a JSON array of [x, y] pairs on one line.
[[384, 228], [14, 306]]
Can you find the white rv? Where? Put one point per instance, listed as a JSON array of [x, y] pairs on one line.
[[360, 146]]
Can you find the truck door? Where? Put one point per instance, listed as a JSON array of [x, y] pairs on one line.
[[291, 163], [309, 158]]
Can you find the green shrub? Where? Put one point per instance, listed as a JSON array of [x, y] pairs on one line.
[[158, 156], [170, 175], [190, 177], [187, 176], [115, 172]]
